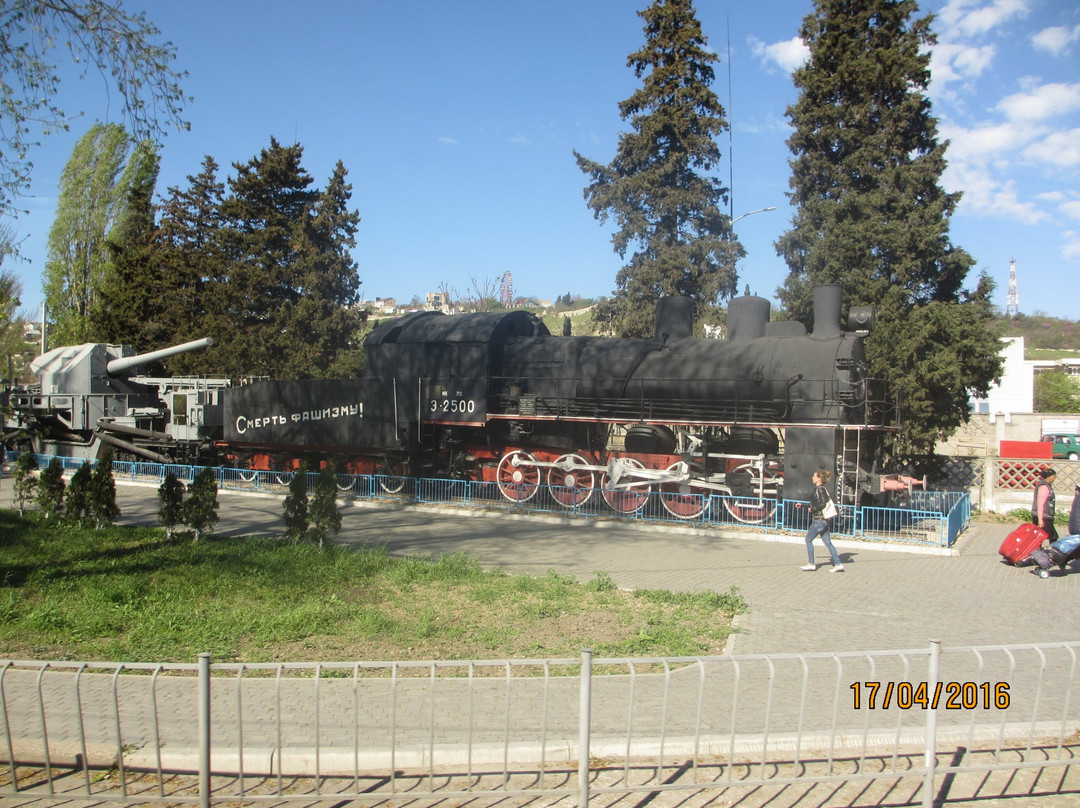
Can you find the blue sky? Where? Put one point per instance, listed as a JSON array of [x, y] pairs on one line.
[[457, 122]]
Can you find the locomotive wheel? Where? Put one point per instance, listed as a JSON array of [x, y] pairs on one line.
[[629, 500], [574, 487], [519, 480], [683, 500], [751, 510]]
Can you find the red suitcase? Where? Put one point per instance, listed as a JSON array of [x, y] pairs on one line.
[[1019, 544]]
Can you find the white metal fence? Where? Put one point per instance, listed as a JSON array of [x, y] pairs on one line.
[[224, 732]]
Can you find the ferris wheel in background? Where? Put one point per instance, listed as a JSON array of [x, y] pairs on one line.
[[506, 289]]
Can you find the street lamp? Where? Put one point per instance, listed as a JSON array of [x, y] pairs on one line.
[[751, 213]]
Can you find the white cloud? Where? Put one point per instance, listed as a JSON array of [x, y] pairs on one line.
[[984, 195], [1061, 148], [1071, 209], [1042, 102], [1055, 40], [951, 61], [787, 55], [450, 140], [1070, 250], [986, 142], [972, 17]]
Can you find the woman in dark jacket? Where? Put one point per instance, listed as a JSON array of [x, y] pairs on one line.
[[1043, 503], [819, 498]]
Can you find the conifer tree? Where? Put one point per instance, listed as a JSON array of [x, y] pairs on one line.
[[24, 480], [325, 516], [660, 188], [200, 509], [102, 507], [171, 496], [188, 258], [249, 308], [870, 213], [323, 312], [295, 506], [77, 501], [50, 494]]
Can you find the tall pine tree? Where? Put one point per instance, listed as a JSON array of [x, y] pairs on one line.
[[189, 259], [658, 188], [870, 213], [323, 316], [277, 305]]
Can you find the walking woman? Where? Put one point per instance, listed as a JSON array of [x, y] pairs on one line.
[[819, 499]]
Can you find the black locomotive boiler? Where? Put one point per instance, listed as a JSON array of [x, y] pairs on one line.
[[495, 397]]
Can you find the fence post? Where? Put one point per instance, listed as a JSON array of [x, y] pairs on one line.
[[204, 730], [933, 676], [584, 724]]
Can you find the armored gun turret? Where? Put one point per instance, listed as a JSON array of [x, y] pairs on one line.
[[88, 393]]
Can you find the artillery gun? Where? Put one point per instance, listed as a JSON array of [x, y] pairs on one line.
[[89, 395]]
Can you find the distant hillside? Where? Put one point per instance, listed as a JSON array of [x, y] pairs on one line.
[[1044, 333]]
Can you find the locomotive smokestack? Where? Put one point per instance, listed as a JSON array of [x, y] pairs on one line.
[[827, 299]]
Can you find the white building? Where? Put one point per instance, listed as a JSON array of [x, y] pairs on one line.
[[1015, 393]]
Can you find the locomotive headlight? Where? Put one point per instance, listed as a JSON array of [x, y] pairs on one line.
[[861, 319]]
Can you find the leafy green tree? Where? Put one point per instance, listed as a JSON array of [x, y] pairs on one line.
[[94, 192], [1056, 391], [658, 188], [171, 496], [870, 213], [325, 516], [12, 342], [295, 506], [103, 39], [77, 499], [50, 493], [25, 481], [200, 509], [102, 507]]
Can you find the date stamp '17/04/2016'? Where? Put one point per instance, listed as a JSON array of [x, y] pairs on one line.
[[911, 695]]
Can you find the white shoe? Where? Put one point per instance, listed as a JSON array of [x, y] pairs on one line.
[[808, 567], [837, 568]]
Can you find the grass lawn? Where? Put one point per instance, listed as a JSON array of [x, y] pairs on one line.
[[129, 594]]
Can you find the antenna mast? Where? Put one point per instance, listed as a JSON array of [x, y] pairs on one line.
[[1012, 307]]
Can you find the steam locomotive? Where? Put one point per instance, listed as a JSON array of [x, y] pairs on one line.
[[496, 397]]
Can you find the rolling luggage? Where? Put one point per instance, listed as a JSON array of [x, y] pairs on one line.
[[1065, 550], [1019, 545], [1043, 561]]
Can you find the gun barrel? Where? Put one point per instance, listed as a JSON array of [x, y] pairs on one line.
[[119, 367]]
